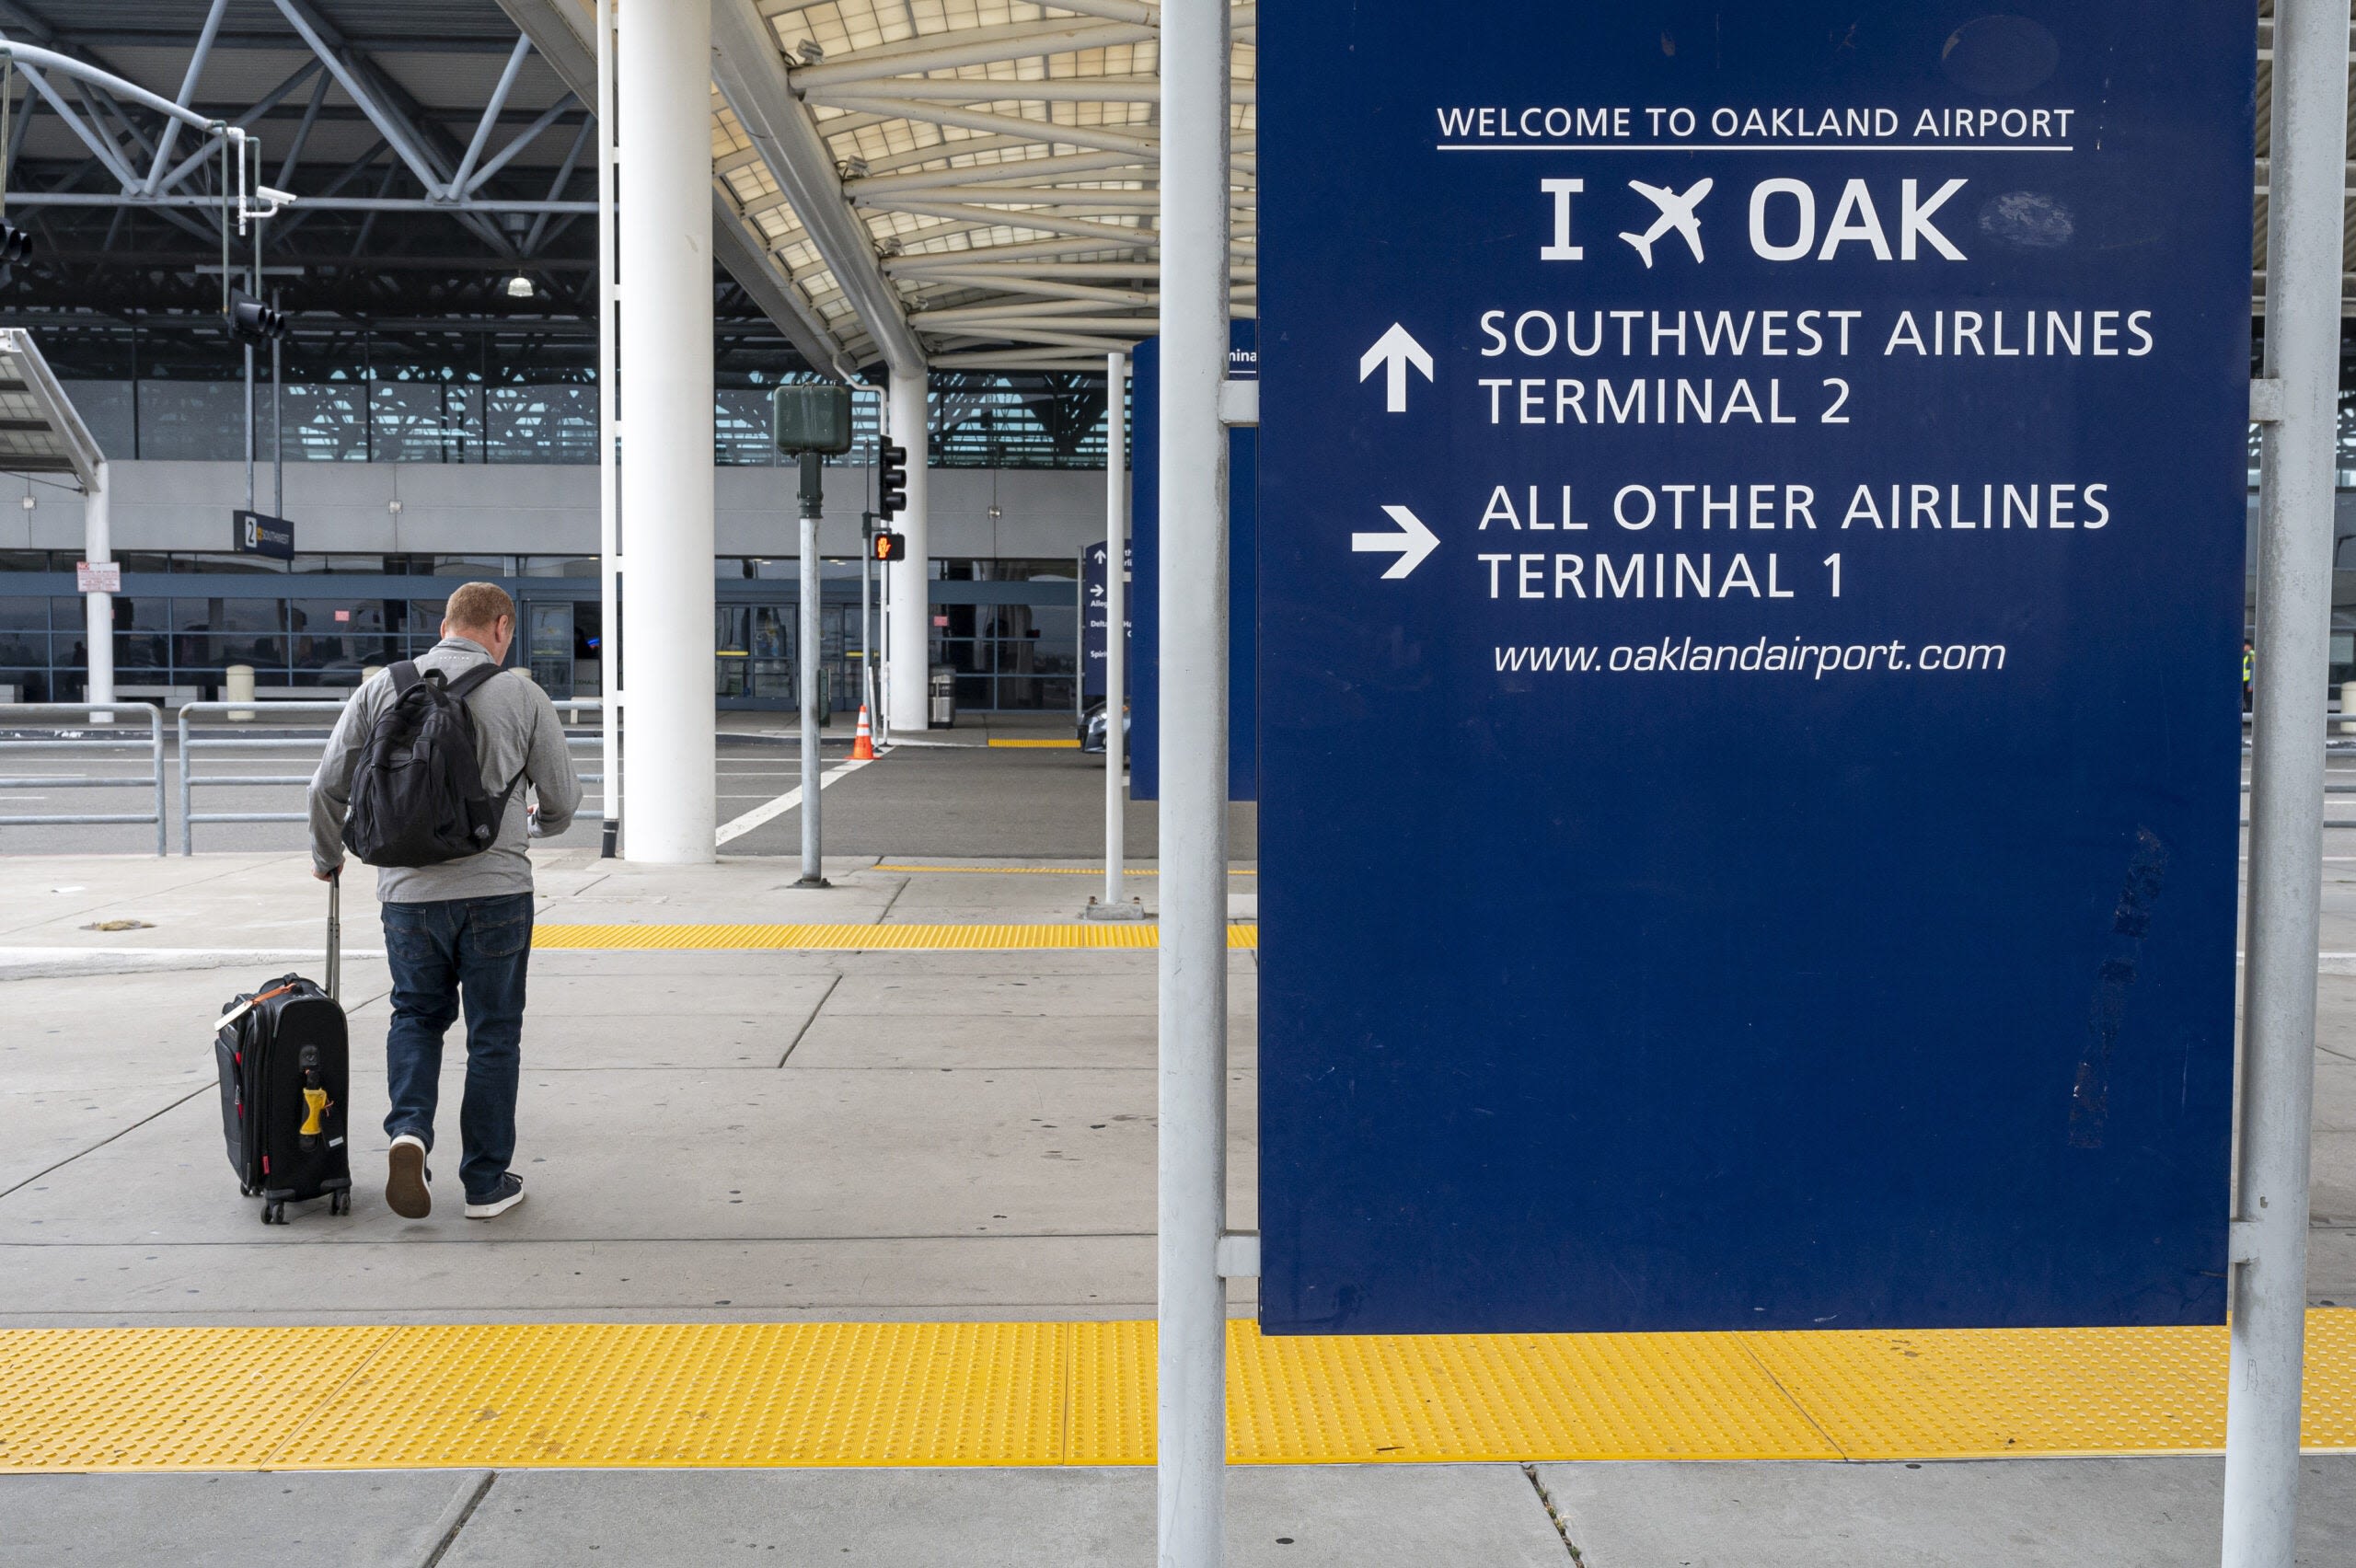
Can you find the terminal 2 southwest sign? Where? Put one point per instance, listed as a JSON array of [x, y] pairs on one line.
[[1751, 590]]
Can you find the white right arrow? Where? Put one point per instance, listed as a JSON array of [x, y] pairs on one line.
[[1414, 541], [1395, 350]]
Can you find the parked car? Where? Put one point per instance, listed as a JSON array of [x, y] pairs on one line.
[[1092, 727]]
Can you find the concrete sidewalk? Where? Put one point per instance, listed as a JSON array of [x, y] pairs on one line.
[[2016, 1513]]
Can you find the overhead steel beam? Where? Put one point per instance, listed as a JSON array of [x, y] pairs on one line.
[[468, 185], [1045, 288], [204, 38], [556, 187], [392, 126], [986, 217], [555, 29], [197, 159], [479, 204], [102, 148], [764, 284], [1021, 359], [1114, 10], [967, 46], [491, 108], [1075, 196], [303, 130], [1067, 164], [750, 75], [1103, 136]]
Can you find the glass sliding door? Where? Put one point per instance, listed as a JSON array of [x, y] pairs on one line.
[[732, 653], [773, 676], [549, 648]]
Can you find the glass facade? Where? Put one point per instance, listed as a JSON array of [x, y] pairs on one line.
[[414, 414], [184, 617]]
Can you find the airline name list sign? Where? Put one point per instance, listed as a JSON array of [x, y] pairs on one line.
[[1750, 608]]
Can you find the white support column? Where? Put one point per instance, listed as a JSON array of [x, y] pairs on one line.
[[609, 532], [98, 547], [1190, 1419], [2295, 548], [662, 107], [909, 652]]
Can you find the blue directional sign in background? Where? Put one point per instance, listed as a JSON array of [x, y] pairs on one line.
[[1095, 618], [1751, 585]]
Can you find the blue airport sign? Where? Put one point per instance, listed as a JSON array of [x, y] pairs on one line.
[[1749, 613], [252, 533]]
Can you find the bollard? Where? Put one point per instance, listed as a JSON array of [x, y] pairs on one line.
[[239, 686], [2348, 708]]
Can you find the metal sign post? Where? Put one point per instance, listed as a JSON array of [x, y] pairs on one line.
[[811, 423], [2299, 391], [1190, 1414], [813, 871]]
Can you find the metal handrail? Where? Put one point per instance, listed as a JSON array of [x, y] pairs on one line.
[[189, 744], [53, 716]]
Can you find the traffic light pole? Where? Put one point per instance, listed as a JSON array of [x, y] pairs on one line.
[[277, 430], [253, 286], [813, 503], [866, 640]]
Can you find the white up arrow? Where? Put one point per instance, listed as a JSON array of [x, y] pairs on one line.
[[1414, 541], [1396, 350]]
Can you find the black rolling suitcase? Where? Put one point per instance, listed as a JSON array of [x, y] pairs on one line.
[[285, 1073]]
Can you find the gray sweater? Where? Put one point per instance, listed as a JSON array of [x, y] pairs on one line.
[[517, 735]]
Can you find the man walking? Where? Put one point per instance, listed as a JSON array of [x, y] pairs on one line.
[[457, 925]]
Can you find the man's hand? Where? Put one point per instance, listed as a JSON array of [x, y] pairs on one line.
[[328, 876]]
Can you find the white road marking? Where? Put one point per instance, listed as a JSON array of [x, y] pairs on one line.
[[771, 811]]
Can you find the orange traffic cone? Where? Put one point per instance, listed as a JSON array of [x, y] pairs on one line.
[[863, 745]]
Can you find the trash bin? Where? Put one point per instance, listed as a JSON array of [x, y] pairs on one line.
[[237, 686], [941, 710]]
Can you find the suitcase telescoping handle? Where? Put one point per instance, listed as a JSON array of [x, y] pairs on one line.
[[335, 933]]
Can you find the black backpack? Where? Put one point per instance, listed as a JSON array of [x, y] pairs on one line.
[[417, 794]]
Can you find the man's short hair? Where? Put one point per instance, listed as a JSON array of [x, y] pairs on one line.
[[479, 605]]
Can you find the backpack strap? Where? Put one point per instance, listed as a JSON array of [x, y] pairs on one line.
[[465, 685], [405, 675]]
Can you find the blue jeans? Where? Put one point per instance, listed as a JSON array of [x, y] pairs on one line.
[[480, 946]]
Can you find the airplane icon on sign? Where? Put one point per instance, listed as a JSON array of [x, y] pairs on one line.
[[1676, 213]]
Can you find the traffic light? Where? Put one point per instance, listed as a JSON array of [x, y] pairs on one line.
[[888, 546], [811, 416], [251, 321], [892, 483]]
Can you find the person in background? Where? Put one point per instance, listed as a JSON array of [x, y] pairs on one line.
[[460, 932]]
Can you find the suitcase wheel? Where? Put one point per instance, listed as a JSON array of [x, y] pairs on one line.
[[273, 1214], [339, 1203], [244, 1191]]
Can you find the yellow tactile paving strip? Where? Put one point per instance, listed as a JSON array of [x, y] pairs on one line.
[[722, 1395], [845, 938]]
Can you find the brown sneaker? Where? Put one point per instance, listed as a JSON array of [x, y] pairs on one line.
[[405, 1192]]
